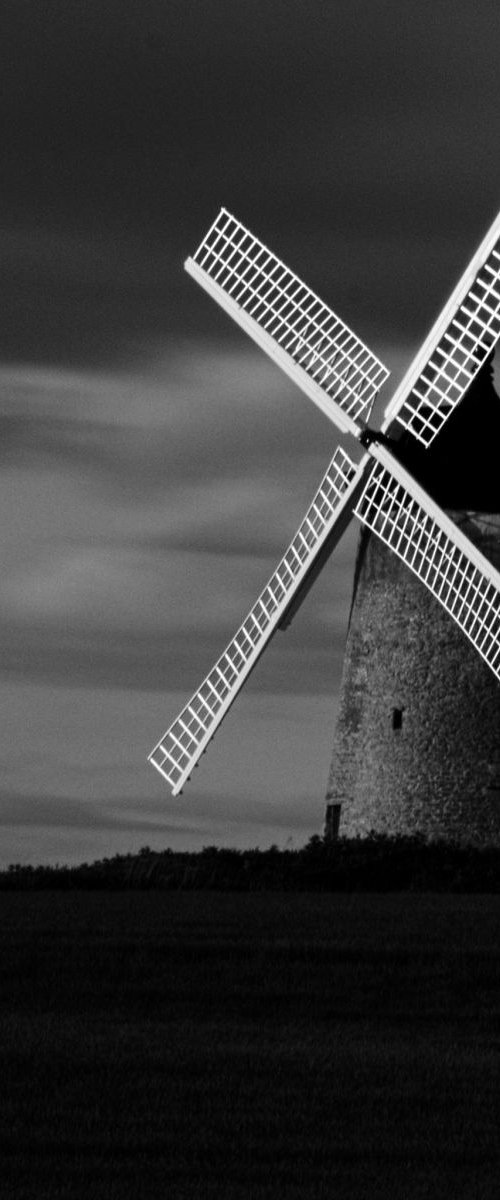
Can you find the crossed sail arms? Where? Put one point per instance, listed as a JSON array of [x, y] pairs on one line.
[[342, 376], [325, 358]]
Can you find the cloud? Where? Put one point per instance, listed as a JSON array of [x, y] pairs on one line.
[[192, 411], [76, 782], [123, 134], [45, 812], [64, 812], [143, 515]]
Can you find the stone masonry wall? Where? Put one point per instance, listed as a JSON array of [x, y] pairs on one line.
[[417, 744]]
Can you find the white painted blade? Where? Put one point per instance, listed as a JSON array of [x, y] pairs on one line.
[[182, 745], [467, 585], [299, 332], [462, 337]]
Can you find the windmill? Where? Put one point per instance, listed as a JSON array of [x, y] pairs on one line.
[[391, 489]]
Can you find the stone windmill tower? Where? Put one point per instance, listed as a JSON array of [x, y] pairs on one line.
[[417, 741]]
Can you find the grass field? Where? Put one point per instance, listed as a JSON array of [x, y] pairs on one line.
[[195, 1046]]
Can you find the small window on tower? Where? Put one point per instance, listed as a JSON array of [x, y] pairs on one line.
[[397, 718]]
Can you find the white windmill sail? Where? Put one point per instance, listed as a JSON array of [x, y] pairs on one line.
[[400, 512], [182, 745], [465, 332], [289, 321], [338, 372]]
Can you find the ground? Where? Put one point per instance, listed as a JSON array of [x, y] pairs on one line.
[[247, 1047]]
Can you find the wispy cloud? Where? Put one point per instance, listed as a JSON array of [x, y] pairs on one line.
[[76, 782], [143, 516]]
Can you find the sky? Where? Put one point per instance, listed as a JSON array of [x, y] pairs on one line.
[[154, 464]]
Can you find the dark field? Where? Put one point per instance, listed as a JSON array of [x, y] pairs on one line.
[[202, 1046]]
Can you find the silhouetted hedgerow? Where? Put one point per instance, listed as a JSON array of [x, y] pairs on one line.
[[372, 864]]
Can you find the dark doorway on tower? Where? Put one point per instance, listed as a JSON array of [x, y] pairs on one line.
[[332, 822], [397, 718]]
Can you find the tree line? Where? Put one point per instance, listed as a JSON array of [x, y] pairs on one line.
[[374, 863]]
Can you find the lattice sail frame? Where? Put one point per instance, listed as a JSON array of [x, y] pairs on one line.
[[467, 585], [465, 332], [289, 321], [178, 751]]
